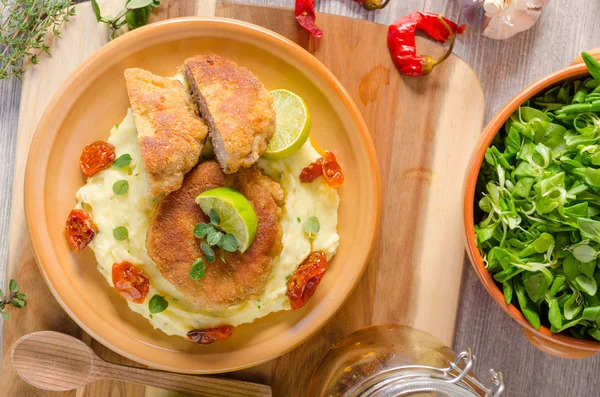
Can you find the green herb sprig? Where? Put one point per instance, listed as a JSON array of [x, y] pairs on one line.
[[135, 14], [15, 298], [539, 207], [24, 25], [211, 237]]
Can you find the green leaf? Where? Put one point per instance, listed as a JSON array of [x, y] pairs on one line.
[[523, 187], [584, 253], [573, 306], [197, 271], [5, 315], [13, 287], [542, 243], [120, 233], [96, 9], [591, 313], [138, 17], [594, 333], [202, 229], [527, 308], [588, 268], [507, 289], [215, 219], [120, 187], [311, 226], [557, 284], [589, 228], [214, 238], [122, 161], [554, 314], [133, 4], [208, 252], [229, 243], [585, 284], [157, 304], [592, 177], [536, 285], [571, 267], [592, 64]]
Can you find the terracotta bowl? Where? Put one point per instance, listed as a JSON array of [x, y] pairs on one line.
[[94, 98], [556, 344]]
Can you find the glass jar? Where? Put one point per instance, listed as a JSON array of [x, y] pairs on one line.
[[396, 360]]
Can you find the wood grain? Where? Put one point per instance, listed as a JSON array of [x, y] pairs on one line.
[[58, 362]]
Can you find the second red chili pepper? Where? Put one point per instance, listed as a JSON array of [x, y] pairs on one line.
[[402, 46], [305, 15]]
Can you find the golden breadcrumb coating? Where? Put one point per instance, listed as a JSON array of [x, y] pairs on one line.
[[236, 106], [173, 247], [170, 132]]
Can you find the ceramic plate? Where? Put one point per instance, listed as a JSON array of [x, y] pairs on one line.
[[94, 98]]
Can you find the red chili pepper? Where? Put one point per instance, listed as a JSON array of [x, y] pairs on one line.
[[402, 46], [305, 15], [371, 5]]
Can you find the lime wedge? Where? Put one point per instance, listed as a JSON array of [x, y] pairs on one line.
[[293, 125], [237, 217]]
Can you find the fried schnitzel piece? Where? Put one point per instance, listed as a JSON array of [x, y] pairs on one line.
[[174, 248], [170, 132], [237, 107]]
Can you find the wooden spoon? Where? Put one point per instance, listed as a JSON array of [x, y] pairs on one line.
[[53, 361]]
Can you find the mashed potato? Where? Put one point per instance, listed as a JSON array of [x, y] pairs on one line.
[[133, 210]]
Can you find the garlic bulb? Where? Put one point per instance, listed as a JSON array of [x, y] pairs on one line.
[[505, 18]]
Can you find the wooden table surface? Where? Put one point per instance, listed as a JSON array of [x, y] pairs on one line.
[[566, 28]]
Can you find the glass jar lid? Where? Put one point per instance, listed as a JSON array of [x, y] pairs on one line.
[[413, 380]]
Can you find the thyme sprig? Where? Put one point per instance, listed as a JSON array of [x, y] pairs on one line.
[[24, 26]]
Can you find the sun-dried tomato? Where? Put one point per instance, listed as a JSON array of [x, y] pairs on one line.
[[306, 278], [210, 335], [332, 172], [130, 281], [326, 166], [312, 172], [96, 157], [80, 229]]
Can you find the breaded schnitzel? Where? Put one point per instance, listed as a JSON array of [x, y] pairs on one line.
[[237, 107], [172, 246], [170, 132]]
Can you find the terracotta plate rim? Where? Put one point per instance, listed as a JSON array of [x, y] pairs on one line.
[[32, 209]]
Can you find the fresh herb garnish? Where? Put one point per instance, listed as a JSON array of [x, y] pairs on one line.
[[157, 304], [122, 161], [201, 230], [25, 25], [214, 237], [197, 271], [311, 226], [120, 233], [208, 252], [539, 207], [120, 187], [229, 243], [299, 220], [15, 298], [135, 14], [215, 219]]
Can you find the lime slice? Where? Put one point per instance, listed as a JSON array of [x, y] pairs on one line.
[[237, 217], [293, 125]]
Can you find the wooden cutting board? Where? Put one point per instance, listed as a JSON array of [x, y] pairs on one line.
[[423, 129]]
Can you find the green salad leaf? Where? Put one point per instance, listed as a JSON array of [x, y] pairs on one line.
[[538, 212]]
